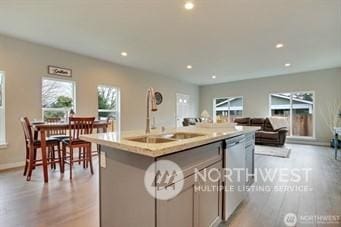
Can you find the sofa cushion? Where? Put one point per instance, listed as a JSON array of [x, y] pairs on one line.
[[242, 121], [269, 135], [268, 126], [257, 122], [259, 134]]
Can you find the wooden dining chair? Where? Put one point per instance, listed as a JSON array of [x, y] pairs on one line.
[[56, 132], [78, 126], [32, 145]]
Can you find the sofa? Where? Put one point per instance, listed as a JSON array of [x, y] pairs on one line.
[[190, 121], [266, 135]]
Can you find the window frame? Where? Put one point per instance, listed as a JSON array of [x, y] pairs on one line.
[[229, 111], [61, 80], [313, 137], [3, 144], [118, 114]]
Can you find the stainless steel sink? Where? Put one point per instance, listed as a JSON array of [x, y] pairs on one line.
[[182, 135], [165, 138], [150, 139]]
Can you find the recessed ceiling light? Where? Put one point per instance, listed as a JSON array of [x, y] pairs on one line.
[[287, 64], [279, 45], [124, 54], [189, 5], [214, 76], [189, 66]]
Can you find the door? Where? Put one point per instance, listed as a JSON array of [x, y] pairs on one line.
[[183, 108], [210, 198], [109, 106]]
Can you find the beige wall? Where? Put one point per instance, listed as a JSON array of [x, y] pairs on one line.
[[325, 83], [25, 63]]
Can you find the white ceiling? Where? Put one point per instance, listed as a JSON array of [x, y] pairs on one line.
[[233, 39]]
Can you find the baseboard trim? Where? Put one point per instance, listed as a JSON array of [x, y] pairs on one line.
[[11, 165], [216, 222], [309, 142]]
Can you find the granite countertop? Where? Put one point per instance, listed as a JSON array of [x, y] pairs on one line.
[[119, 140]]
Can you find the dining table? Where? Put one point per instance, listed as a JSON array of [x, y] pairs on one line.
[[41, 130]]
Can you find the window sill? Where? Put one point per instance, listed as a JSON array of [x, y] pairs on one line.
[[3, 145]]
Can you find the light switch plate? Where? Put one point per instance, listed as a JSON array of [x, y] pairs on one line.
[[103, 160]]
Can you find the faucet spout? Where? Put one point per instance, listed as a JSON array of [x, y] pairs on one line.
[[151, 100]]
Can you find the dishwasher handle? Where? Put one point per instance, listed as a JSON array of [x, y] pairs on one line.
[[234, 143]]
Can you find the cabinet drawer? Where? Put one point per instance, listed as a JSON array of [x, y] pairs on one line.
[[196, 158]]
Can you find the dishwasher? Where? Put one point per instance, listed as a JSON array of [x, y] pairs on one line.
[[234, 159]]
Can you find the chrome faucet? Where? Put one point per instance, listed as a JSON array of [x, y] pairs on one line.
[[150, 100]]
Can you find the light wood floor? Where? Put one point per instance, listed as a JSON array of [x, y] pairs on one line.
[[269, 208], [61, 203]]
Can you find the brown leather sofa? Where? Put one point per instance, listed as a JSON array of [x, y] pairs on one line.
[[190, 121], [266, 135]]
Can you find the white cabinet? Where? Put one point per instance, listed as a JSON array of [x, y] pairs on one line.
[[199, 204]]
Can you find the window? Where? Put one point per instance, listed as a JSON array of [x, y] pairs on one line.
[[2, 110], [58, 98], [108, 104], [227, 109], [299, 108]]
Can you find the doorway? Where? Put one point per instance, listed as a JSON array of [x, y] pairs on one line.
[[183, 108]]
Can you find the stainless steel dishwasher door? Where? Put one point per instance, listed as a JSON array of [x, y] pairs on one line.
[[235, 184]]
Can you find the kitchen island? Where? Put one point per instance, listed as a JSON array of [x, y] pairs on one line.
[[127, 157]]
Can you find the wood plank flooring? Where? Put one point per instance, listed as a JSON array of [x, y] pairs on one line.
[[58, 203], [269, 208], [61, 203]]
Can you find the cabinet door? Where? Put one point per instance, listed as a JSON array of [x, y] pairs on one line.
[[180, 211], [199, 204], [210, 198]]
